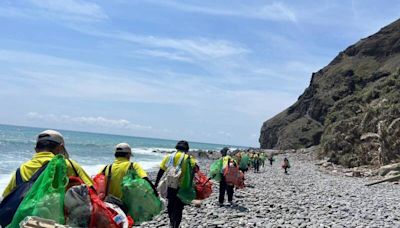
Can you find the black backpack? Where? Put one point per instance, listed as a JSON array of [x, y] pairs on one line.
[[11, 202]]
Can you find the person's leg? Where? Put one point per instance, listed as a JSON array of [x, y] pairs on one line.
[[178, 213], [222, 187], [172, 205], [229, 189]]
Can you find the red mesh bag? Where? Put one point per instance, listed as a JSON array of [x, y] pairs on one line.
[[240, 183], [101, 216], [203, 186], [100, 184], [232, 175], [73, 181]]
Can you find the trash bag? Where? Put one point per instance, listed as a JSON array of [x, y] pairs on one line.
[[46, 197], [187, 192], [100, 184], [232, 175], [285, 164], [74, 181], [215, 170], [240, 181], [116, 201], [120, 217], [203, 185], [10, 203], [171, 177], [78, 207], [101, 216], [244, 162], [139, 197]]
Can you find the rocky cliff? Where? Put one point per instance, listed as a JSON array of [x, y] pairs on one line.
[[347, 105]]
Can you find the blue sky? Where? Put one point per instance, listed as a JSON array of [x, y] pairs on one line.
[[208, 71]]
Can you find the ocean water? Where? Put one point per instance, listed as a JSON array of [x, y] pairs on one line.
[[90, 150]]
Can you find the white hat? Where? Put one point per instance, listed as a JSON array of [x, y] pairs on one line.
[[53, 136], [123, 147]]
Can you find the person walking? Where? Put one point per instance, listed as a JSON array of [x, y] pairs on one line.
[[256, 162], [271, 159], [177, 160], [119, 168], [286, 165], [49, 143], [223, 186]]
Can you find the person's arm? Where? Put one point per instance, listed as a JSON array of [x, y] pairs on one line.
[[10, 187], [163, 168], [159, 175]]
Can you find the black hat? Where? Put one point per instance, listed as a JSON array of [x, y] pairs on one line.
[[224, 151], [182, 145]]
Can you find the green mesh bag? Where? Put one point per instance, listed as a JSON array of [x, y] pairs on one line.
[[139, 197], [244, 162], [216, 169], [45, 199], [187, 192]]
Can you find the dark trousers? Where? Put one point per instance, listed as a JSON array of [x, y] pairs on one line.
[[224, 187], [175, 208], [256, 166]]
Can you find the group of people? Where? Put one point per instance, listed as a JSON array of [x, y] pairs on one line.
[[256, 160], [51, 143]]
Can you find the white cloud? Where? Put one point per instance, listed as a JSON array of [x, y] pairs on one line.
[[72, 7], [212, 100], [199, 48], [64, 10], [11, 12], [276, 11], [157, 86], [88, 120], [27, 58], [164, 54]]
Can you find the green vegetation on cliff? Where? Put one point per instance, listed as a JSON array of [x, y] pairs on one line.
[[351, 106]]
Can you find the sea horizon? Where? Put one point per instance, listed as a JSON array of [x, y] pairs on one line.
[[123, 135]]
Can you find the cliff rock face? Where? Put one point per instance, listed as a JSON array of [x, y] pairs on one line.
[[361, 79]]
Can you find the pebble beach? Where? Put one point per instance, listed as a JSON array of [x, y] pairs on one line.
[[306, 197]]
